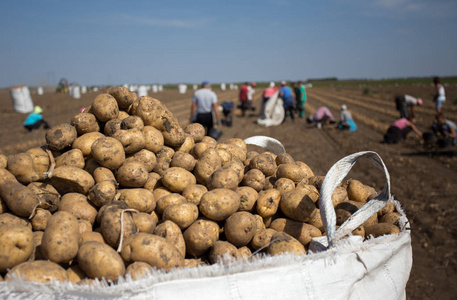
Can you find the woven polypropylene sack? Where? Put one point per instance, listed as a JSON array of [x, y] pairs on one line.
[[346, 267]]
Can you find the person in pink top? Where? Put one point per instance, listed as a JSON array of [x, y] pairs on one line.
[[399, 130], [321, 117], [244, 98]]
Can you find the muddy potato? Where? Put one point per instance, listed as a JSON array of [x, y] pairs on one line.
[[172, 233], [390, 207], [99, 261], [237, 166], [11, 219], [316, 221], [360, 231], [193, 262], [306, 169], [60, 241], [187, 145], [132, 122], [77, 205], [284, 158], [101, 174], [259, 221], [153, 139], [40, 271], [73, 158], [61, 136], [91, 165], [196, 130], [84, 123], [85, 141], [282, 242], [177, 179], [22, 167], [20, 199], [263, 162], [102, 193], [3, 161], [194, 192], [341, 216], [291, 171], [138, 270], [208, 162], [237, 142], [112, 126], [248, 198], [339, 195], [303, 232], [245, 252], [183, 160], [356, 191], [380, 229], [308, 189], [239, 228], [132, 140], [268, 202], [284, 185], [262, 238], [153, 182], [161, 191], [105, 107], [48, 196], [391, 218], [182, 214], [223, 177], [90, 236], [154, 250], [219, 204], [269, 182], [144, 222], [297, 205], [16, 245], [110, 222], [75, 274], [223, 251], [162, 165], [40, 219], [68, 179], [199, 148], [255, 179], [122, 115], [122, 95], [316, 181], [84, 226], [167, 200], [3, 207], [225, 155], [132, 174], [138, 198], [352, 207], [36, 253], [108, 152], [200, 237]]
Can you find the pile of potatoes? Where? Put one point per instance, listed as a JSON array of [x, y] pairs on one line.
[[123, 189]]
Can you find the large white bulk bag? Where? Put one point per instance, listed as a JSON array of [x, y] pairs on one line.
[[22, 101], [76, 92], [142, 91], [182, 88], [160, 88], [83, 89], [39, 91], [195, 87], [155, 88], [272, 112], [223, 86]]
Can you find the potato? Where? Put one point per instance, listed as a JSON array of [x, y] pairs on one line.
[[200, 237], [182, 214], [224, 155], [237, 142], [352, 207], [245, 252], [84, 123], [269, 182], [75, 274], [3, 207], [40, 219], [194, 192], [196, 130], [99, 261], [187, 145], [36, 253], [133, 140], [305, 168], [223, 177], [22, 167], [339, 195], [291, 171], [239, 228], [61, 136], [11, 219], [297, 205], [110, 223], [248, 198], [172, 233], [210, 141], [16, 245], [60, 241], [90, 236], [316, 221], [68, 179], [267, 204], [77, 205], [105, 107], [223, 251], [132, 122], [84, 226], [20, 199], [284, 185], [249, 155], [341, 216], [260, 222], [144, 222], [112, 126], [154, 250], [359, 231], [167, 200], [161, 191], [390, 207], [284, 158], [139, 199], [281, 243], [162, 165], [132, 174], [153, 139], [3, 161], [390, 218], [303, 232], [219, 204], [262, 238], [138, 270], [122, 95], [102, 193], [237, 166], [255, 179], [177, 179], [74, 158], [263, 162], [380, 229], [84, 142], [146, 157], [40, 271], [193, 262], [153, 182], [108, 152], [234, 150], [208, 162], [91, 165], [317, 181], [356, 191], [48, 196], [183, 160], [198, 149]]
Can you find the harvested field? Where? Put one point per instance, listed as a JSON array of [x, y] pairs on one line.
[[423, 180]]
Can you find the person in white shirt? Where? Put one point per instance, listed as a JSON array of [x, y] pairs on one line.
[[251, 92], [440, 96], [204, 104], [405, 105]]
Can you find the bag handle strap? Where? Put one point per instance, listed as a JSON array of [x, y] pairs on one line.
[[266, 142]]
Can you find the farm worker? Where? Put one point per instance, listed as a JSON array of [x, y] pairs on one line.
[[244, 98], [301, 106], [321, 117], [286, 94], [399, 130], [297, 94], [251, 91], [267, 94], [346, 121], [440, 96], [445, 130], [227, 110], [34, 120], [405, 105], [204, 104]]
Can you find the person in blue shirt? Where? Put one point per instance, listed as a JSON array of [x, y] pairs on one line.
[[34, 120], [289, 104]]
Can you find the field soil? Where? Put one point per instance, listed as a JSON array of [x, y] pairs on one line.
[[423, 179]]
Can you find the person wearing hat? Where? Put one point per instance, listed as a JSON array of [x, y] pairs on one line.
[[34, 120], [405, 105], [346, 121], [286, 94], [204, 104]]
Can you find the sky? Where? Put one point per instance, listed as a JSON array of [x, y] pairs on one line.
[[144, 42]]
